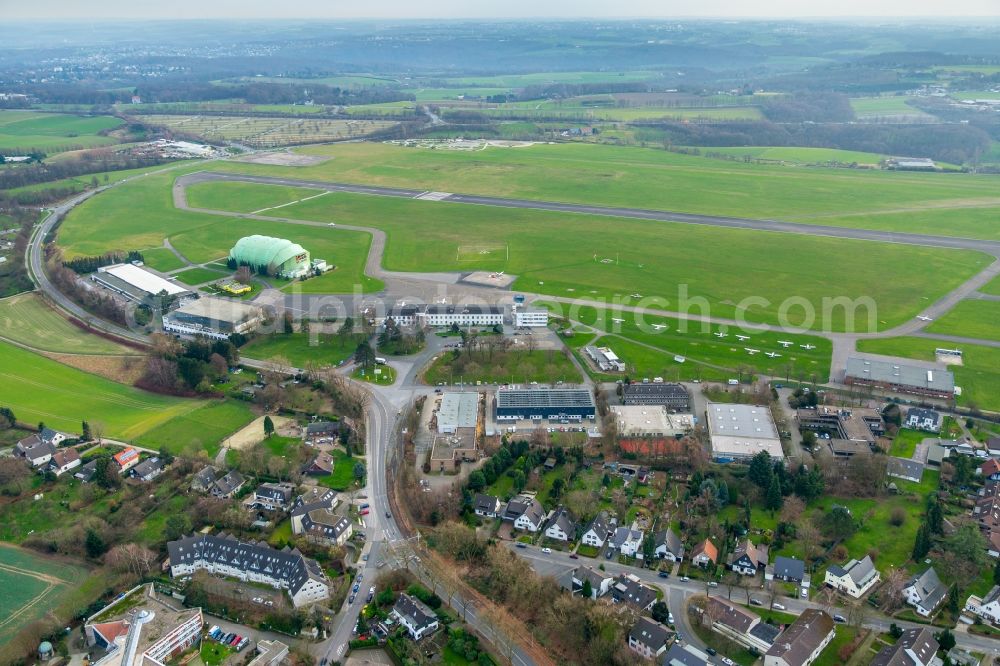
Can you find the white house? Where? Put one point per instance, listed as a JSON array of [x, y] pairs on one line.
[[628, 542], [925, 592], [561, 526], [532, 518], [597, 531], [749, 559], [916, 647], [487, 506], [600, 582], [418, 619], [803, 641], [64, 460], [923, 419], [668, 546], [35, 450], [854, 579], [988, 607]]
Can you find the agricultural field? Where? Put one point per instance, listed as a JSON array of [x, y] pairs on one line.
[[891, 107], [699, 344], [301, 349], [244, 197], [32, 586], [979, 374], [39, 389], [32, 131], [394, 109], [567, 110], [196, 276], [970, 319], [266, 132], [622, 176], [27, 319], [200, 429], [799, 155], [550, 78]]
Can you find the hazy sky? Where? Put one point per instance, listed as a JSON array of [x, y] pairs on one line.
[[333, 9]]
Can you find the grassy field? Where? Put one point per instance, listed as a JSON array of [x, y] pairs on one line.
[[698, 343], [992, 287], [300, 349], [799, 155], [568, 110], [549, 78], [343, 472], [32, 585], [612, 175], [970, 319], [904, 444], [243, 197], [26, 131], [383, 375], [261, 132], [979, 374], [38, 389], [543, 366], [27, 319], [194, 276], [161, 259], [890, 106], [199, 429]]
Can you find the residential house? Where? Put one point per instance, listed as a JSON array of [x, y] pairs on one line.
[[600, 582], [148, 469], [993, 446], [224, 555], [648, 638], [904, 468], [988, 607], [916, 647], [487, 506], [531, 518], [990, 469], [704, 554], [803, 641], [64, 460], [126, 459], [323, 430], [418, 619], [35, 450], [748, 559], [228, 485], [788, 569], [923, 419], [739, 624], [628, 542], [86, 472], [685, 655], [272, 496], [203, 480], [313, 515], [629, 590], [561, 526], [321, 465], [668, 545], [855, 578], [596, 533], [925, 592]]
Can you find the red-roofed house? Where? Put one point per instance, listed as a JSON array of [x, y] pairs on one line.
[[705, 553], [990, 469], [126, 459]]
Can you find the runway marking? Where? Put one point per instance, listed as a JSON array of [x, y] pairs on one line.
[[433, 196]]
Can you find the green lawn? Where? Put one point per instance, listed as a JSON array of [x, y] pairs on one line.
[[970, 319], [905, 442], [829, 656], [27, 319], [244, 197], [979, 374], [522, 367], [199, 429], [300, 349], [39, 389], [214, 653], [25, 131], [343, 472], [195, 276], [799, 155], [992, 287], [383, 375], [161, 259], [282, 446]]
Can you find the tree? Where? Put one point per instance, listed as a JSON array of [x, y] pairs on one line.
[[7, 418], [519, 480], [359, 471], [649, 547], [364, 355], [922, 543], [935, 517], [94, 544], [660, 612], [85, 431], [557, 488], [774, 500], [964, 553], [177, 526], [946, 640], [837, 524], [244, 275], [268, 426], [761, 470], [587, 591], [106, 473], [477, 481], [996, 572], [287, 322]]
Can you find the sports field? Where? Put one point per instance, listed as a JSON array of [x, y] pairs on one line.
[[979, 374], [32, 585], [39, 389], [970, 319], [26, 131], [657, 179], [27, 319]]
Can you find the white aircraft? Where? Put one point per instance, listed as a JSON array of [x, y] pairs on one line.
[[636, 295], [785, 343], [808, 346], [742, 337], [772, 354], [658, 327], [720, 334], [616, 320], [923, 318], [751, 351]]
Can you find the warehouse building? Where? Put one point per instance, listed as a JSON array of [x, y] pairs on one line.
[[531, 318], [604, 359], [138, 284], [859, 424], [650, 421], [672, 396], [281, 257], [739, 432], [537, 403], [462, 315], [214, 318], [458, 410], [901, 377]]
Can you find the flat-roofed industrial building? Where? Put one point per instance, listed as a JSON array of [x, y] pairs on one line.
[[900, 377], [650, 420], [137, 284], [561, 403], [216, 318], [458, 410], [672, 396], [739, 432]]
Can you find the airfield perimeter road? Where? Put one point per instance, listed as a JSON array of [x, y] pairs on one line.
[[989, 247]]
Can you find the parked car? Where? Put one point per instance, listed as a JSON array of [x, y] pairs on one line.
[[840, 619], [755, 602], [521, 545], [574, 556], [778, 606], [546, 550], [664, 574], [357, 586], [805, 593], [670, 617], [727, 661], [712, 583], [684, 579], [235, 640], [350, 599], [711, 651]]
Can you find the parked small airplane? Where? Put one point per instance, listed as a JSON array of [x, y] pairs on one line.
[[720, 334], [658, 327], [785, 343], [751, 351], [808, 346], [772, 354], [742, 337], [615, 319], [923, 318]]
